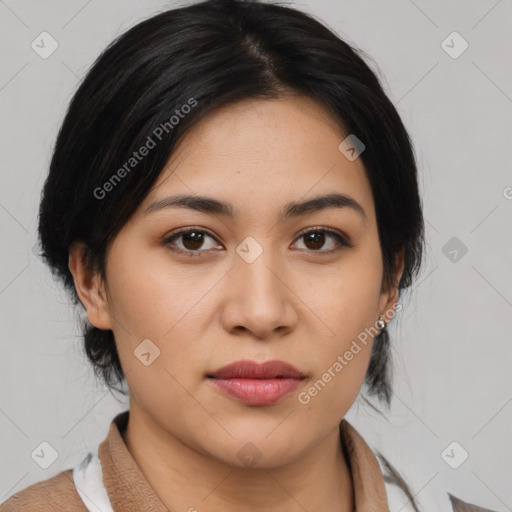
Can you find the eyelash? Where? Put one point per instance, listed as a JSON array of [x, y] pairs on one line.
[[342, 240]]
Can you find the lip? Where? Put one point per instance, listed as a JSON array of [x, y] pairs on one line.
[[248, 369], [255, 383]]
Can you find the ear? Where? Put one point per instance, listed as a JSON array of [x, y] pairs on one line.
[[389, 298], [89, 286]]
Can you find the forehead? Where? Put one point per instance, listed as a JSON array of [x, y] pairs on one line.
[[263, 154]]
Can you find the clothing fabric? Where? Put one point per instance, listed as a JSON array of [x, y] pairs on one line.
[[109, 480]]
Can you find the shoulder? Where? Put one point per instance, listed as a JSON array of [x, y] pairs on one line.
[[463, 506], [408, 493], [53, 495]]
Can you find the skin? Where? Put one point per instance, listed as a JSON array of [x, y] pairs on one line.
[[299, 302]]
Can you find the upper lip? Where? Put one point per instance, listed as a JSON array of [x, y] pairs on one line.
[[254, 370]]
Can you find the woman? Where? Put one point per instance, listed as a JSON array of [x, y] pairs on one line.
[[233, 199]]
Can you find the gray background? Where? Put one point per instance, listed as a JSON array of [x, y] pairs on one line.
[[452, 343]]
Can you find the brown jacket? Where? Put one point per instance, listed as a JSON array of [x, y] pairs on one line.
[[128, 490]]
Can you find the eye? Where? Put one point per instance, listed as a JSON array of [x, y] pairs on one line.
[[192, 239], [314, 239]]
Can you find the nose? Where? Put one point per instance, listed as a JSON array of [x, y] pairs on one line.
[[258, 300]]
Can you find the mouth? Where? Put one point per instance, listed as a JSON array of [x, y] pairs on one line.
[[252, 383]]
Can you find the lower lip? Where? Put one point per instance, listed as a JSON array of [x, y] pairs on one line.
[[257, 391]]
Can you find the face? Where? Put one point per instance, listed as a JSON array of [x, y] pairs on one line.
[[264, 283]]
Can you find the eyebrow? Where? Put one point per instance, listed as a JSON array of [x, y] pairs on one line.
[[294, 209]]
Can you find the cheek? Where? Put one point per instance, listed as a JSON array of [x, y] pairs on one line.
[[333, 390], [149, 294], [156, 301], [348, 307], [342, 357], [347, 297]]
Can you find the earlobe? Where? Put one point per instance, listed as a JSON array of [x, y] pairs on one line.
[[89, 286]]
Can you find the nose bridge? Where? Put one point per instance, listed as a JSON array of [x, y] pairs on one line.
[[258, 295], [256, 267]]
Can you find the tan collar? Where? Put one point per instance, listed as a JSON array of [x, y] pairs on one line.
[[369, 488], [127, 486]]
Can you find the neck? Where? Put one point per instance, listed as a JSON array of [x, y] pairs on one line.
[[186, 479]]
